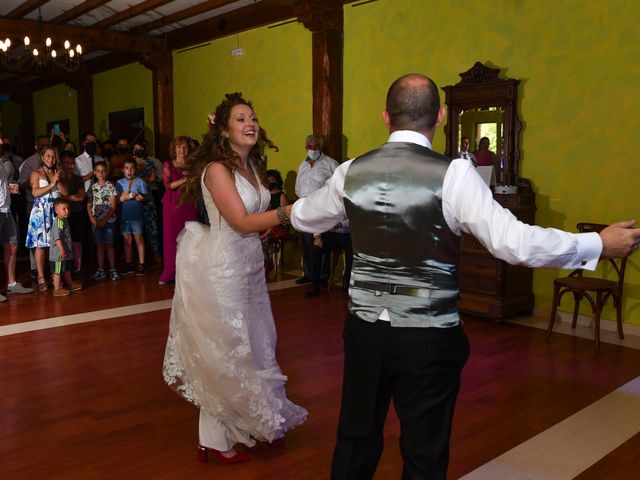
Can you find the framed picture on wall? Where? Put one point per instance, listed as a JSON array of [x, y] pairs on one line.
[[128, 124]]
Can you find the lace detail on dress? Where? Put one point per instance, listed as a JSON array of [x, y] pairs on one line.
[[220, 353]]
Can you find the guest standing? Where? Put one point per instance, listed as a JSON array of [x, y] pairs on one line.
[[174, 215], [45, 187], [313, 172], [147, 172]]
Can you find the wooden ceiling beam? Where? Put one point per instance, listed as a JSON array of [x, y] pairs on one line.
[[89, 38], [78, 11], [181, 15], [110, 61], [240, 20], [24, 8], [128, 13]]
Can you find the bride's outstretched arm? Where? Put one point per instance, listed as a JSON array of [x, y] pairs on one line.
[[220, 183]]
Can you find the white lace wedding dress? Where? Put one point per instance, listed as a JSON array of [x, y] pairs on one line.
[[220, 353]]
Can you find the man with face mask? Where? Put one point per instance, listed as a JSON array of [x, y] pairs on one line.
[[85, 162], [312, 174], [122, 152]]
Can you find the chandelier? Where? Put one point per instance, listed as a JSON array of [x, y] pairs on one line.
[[39, 53]]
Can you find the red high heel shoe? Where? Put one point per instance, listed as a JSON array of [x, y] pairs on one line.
[[203, 456]]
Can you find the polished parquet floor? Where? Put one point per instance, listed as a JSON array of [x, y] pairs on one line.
[[86, 400]]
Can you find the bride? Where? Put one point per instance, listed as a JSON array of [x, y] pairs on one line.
[[220, 353]]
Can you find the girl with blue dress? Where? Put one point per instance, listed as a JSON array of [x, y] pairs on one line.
[[46, 186]]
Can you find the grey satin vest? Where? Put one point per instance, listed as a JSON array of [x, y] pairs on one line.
[[405, 256]]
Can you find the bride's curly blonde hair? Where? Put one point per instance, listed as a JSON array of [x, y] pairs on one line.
[[216, 148]]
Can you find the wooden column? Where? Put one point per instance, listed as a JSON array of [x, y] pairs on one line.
[[83, 84], [28, 129], [325, 21], [161, 66]]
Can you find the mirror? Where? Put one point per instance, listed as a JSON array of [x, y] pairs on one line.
[[483, 106]]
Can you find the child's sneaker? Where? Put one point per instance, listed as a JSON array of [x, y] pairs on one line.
[[114, 274], [99, 275], [140, 271], [61, 292], [128, 271]]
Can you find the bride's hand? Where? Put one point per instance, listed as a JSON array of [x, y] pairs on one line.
[[266, 234]]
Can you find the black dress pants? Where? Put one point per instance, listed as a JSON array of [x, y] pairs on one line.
[[336, 241], [419, 368], [315, 260]]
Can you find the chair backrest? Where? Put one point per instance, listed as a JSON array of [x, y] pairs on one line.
[[619, 265]]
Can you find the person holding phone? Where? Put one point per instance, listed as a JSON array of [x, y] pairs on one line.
[[46, 186]]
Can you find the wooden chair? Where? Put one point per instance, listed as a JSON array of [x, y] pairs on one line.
[[335, 256], [278, 257], [590, 287]]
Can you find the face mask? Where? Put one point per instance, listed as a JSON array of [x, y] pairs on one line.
[[107, 153], [90, 148], [139, 154], [70, 150], [123, 149], [273, 186], [313, 154]]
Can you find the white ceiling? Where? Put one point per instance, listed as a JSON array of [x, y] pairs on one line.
[[53, 8]]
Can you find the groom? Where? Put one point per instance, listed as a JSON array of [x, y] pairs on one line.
[[403, 339]]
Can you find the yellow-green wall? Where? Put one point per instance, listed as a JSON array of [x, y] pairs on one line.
[[576, 60], [55, 103], [274, 73], [122, 89], [577, 63]]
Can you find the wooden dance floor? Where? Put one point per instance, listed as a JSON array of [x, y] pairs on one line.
[[82, 395]]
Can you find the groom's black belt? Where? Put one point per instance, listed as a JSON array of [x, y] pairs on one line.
[[380, 288]]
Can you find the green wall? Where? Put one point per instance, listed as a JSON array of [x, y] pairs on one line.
[[55, 103], [578, 64], [122, 89], [577, 61], [274, 73]]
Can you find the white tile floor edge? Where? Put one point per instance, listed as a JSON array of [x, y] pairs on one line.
[[573, 445], [85, 317], [106, 314]]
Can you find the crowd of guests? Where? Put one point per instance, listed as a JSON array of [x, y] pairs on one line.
[[62, 206]]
